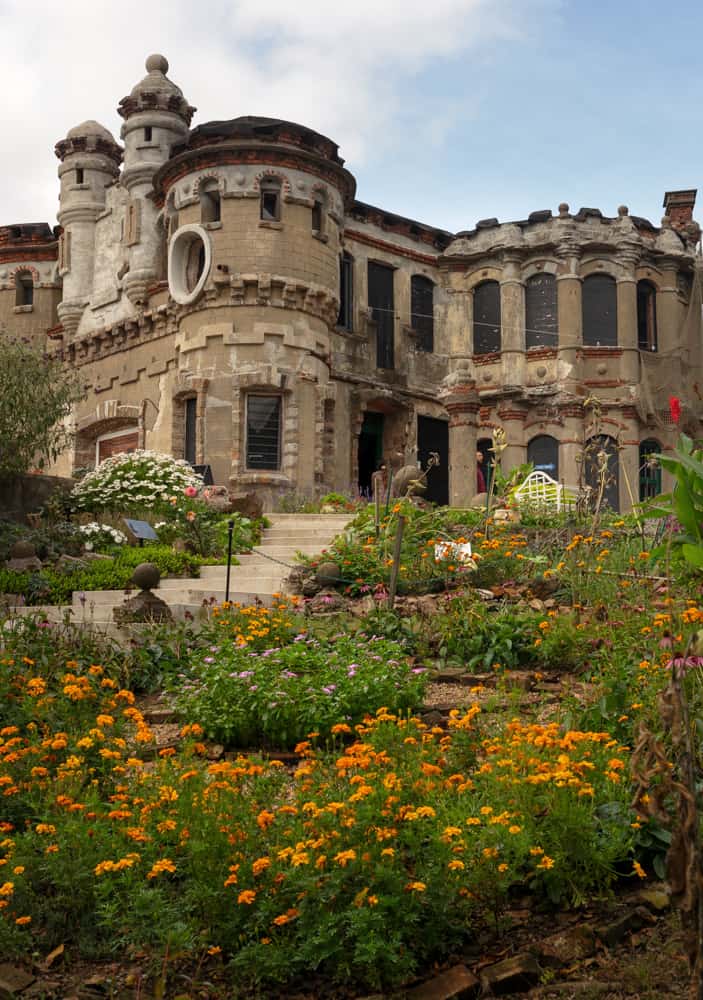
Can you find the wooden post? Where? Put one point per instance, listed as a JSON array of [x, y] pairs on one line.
[[395, 568], [377, 502]]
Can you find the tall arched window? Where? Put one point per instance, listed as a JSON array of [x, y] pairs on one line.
[[422, 311], [596, 447], [646, 316], [541, 320], [650, 470], [210, 208], [24, 288], [270, 200], [487, 318], [543, 452], [599, 306]]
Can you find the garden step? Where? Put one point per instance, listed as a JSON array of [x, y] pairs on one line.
[[250, 580], [304, 520], [319, 538]]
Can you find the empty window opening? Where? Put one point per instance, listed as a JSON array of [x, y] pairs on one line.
[[210, 204], [382, 307], [541, 320], [422, 311], [599, 311], [346, 292], [79, 175], [543, 453], [646, 316], [263, 433], [147, 133], [487, 318], [484, 465], [650, 469], [189, 414], [270, 210], [318, 217], [24, 289]]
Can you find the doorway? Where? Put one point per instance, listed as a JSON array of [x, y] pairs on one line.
[[433, 435], [370, 450]]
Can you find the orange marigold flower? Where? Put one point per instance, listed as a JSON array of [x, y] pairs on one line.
[[246, 897]]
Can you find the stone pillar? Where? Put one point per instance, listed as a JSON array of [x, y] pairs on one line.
[[570, 319], [459, 397], [627, 309], [512, 312], [512, 418], [669, 314]]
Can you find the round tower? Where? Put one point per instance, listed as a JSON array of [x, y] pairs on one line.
[[256, 209], [156, 118], [90, 163]]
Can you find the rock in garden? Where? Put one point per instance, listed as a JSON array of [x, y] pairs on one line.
[[655, 899], [511, 975], [22, 549], [145, 607], [407, 482], [248, 504], [328, 573], [13, 980], [95, 556], [70, 564], [632, 920], [568, 946], [32, 564], [218, 499], [309, 587], [456, 983]]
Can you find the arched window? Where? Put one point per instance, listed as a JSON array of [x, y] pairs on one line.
[[541, 321], [422, 311], [650, 470], [646, 316], [600, 311], [346, 292], [602, 453], [24, 288], [319, 213], [487, 318], [210, 208], [270, 203], [543, 452]]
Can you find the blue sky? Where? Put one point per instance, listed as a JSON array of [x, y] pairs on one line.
[[446, 112]]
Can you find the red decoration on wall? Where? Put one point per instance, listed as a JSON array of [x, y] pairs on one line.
[[675, 408]]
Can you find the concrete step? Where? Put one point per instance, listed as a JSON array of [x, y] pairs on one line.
[[249, 582], [293, 522], [298, 537], [101, 602]]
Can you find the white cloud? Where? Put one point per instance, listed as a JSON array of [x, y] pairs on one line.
[[345, 69]]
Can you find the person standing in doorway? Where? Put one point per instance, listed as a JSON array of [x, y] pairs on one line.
[[480, 477]]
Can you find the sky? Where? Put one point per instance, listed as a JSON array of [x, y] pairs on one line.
[[446, 111]]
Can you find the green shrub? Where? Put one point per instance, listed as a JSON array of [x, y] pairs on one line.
[[141, 480]]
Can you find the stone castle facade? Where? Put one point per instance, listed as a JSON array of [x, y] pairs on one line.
[[227, 299]]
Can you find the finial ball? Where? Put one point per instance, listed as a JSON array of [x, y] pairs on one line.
[[157, 64]]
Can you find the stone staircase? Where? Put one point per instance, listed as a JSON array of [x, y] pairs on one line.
[[259, 575]]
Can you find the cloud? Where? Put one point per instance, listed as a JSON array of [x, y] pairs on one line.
[[351, 71]]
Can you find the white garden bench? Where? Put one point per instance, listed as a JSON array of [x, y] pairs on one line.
[[540, 490]]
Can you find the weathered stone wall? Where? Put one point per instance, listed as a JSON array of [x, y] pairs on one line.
[[22, 495]]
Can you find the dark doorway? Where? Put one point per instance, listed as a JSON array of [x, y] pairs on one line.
[[370, 450], [543, 452], [383, 312], [611, 493], [484, 445], [433, 435]]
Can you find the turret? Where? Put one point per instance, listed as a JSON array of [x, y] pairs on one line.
[[156, 117], [90, 163]]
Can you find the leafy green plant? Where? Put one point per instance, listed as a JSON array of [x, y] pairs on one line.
[[685, 502]]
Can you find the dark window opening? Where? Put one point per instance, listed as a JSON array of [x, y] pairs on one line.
[[346, 292], [318, 217], [195, 264], [487, 318], [541, 319], [543, 453], [422, 311], [646, 316], [599, 306], [147, 133], [189, 415], [210, 205], [263, 449], [270, 208], [650, 469], [79, 175], [433, 436], [381, 303], [24, 289], [594, 448]]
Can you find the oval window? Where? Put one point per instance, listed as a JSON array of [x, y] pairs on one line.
[[189, 261]]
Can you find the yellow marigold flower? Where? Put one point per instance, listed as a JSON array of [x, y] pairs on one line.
[[416, 887], [45, 828], [546, 862], [23, 921], [514, 829], [638, 870], [456, 866], [6, 889], [164, 865], [503, 867], [344, 857], [246, 897], [486, 810], [260, 865], [214, 949], [286, 917]]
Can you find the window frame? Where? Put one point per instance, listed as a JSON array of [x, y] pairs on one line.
[[648, 320], [422, 322], [270, 186], [589, 281], [345, 318], [537, 338], [247, 432], [24, 289], [481, 335], [210, 203]]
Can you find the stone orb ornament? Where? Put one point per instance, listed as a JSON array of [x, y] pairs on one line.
[[146, 576], [328, 573]]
